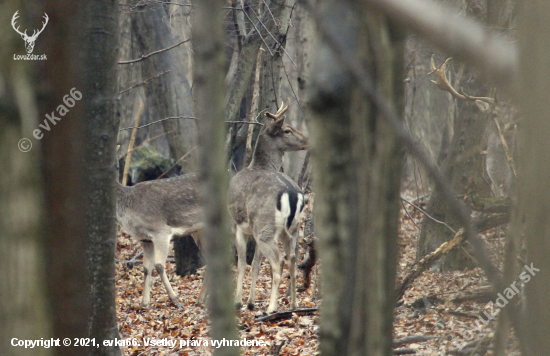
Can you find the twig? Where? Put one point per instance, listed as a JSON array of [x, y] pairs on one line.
[[253, 25], [303, 171], [291, 87], [142, 83], [428, 215], [506, 149], [131, 145], [145, 56], [189, 118], [287, 314], [459, 237], [161, 120], [253, 108], [406, 351], [178, 161], [411, 339], [409, 215], [245, 122], [270, 34]]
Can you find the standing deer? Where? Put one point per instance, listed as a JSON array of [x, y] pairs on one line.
[[154, 212], [267, 204]]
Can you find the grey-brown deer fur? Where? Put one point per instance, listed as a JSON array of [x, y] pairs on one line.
[[267, 204], [154, 212]]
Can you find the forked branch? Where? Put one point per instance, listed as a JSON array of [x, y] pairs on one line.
[[442, 83]]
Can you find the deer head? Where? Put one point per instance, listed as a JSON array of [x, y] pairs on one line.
[[29, 40], [286, 137], [275, 139]]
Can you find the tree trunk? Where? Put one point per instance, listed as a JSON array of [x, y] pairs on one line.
[[169, 95], [99, 22], [209, 88], [63, 173], [23, 300], [534, 188], [463, 166], [357, 169]]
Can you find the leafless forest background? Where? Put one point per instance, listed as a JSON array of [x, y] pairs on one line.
[[428, 168]]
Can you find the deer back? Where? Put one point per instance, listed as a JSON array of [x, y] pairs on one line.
[[167, 205]]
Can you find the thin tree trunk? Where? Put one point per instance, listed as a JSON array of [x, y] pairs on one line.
[[357, 170], [99, 83], [209, 89]]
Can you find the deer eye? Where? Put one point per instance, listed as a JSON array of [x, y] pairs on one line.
[[287, 131]]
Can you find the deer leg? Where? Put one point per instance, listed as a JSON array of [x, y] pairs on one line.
[[240, 242], [148, 264], [202, 294], [271, 253], [161, 253], [255, 269], [289, 243]]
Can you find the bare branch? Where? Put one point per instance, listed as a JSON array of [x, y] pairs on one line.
[[460, 37], [189, 118], [145, 56], [142, 83], [442, 83], [388, 112]]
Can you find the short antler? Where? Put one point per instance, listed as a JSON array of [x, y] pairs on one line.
[[442, 83], [279, 112]]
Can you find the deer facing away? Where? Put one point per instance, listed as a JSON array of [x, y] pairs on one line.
[[267, 204], [154, 212]]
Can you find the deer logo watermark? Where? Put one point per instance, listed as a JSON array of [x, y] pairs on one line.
[[29, 40]]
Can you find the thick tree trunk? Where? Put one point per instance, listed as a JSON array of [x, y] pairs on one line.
[[209, 88], [63, 172], [534, 187], [99, 24], [463, 167], [357, 169], [169, 95]]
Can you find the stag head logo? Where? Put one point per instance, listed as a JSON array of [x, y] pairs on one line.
[[29, 40]]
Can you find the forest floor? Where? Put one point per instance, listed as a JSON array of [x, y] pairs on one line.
[[431, 309]]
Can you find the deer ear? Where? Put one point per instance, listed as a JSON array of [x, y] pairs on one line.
[[275, 126]]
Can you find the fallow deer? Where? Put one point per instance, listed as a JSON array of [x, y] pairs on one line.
[[154, 212], [267, 204]]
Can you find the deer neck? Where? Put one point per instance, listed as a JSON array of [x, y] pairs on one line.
[[266, 156], [123, 198]]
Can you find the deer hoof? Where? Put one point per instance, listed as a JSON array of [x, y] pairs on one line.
[[250, 306], [238, 305]]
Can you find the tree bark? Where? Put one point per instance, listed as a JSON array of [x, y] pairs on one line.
[[357, 170], [98, 69], [169, 95], [209, 88], [534, 191], [63, 173], [462, 167]]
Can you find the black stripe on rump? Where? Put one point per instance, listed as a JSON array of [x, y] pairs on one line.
[[292, 197]]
